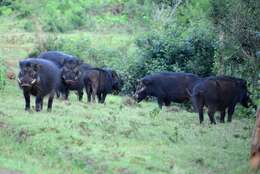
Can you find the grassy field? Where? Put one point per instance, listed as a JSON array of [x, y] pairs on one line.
[[118, 137]]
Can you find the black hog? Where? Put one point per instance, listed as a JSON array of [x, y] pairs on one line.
[[73, 78], [218, 94], [167, 87], [60, 58], [98, 82], [38, 77], [72, 69]]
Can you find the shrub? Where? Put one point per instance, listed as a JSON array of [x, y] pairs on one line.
[[2, 74], [171, 51], [63, 16]]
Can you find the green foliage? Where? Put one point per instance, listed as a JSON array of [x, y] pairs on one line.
[[180, 39], [63, 16], [236, 22], [5, 7], [23, 8], [202, 54], [170, 51], [2, 74]]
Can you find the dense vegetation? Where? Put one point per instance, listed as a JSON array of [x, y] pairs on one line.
[[135, 37], [204, 37], [2, 74]]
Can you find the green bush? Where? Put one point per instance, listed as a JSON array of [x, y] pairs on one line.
[[239, 42], [171, 51], [2, 74], [63, 16], [5, 7]]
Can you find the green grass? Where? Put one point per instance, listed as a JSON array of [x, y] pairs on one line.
[[77, 137]]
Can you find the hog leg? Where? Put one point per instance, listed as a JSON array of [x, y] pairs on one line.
[[80, 93], [50, 101], [88, 91], [103, 97], [99, 95], [230, 113], [160, 102], [167, 102], [94, 92], [211, 112], [38, 103], [200, 110], [198, 104], [222, 116], [66, 94], [27, 100], [57, 93]]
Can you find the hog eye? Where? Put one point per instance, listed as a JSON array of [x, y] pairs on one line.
[[77, 73], [33, 73]]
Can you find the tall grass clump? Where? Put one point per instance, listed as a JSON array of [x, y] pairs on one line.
[[2, 74]]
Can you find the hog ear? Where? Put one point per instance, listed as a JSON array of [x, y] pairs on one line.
[[65, 68], [244, 83], [62, 61], [80, 62], [217, 83], [114, 74], [37, 67], [20, 64]]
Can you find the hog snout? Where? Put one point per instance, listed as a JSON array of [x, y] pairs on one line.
[[25, 83], [71, 82], [135, 96]]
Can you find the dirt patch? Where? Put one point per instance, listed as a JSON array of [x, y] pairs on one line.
[[3, 125], [10, 75], [173, 109], [3, 114], [116, 9], [124, 171], [128, 101], [23, 135]]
